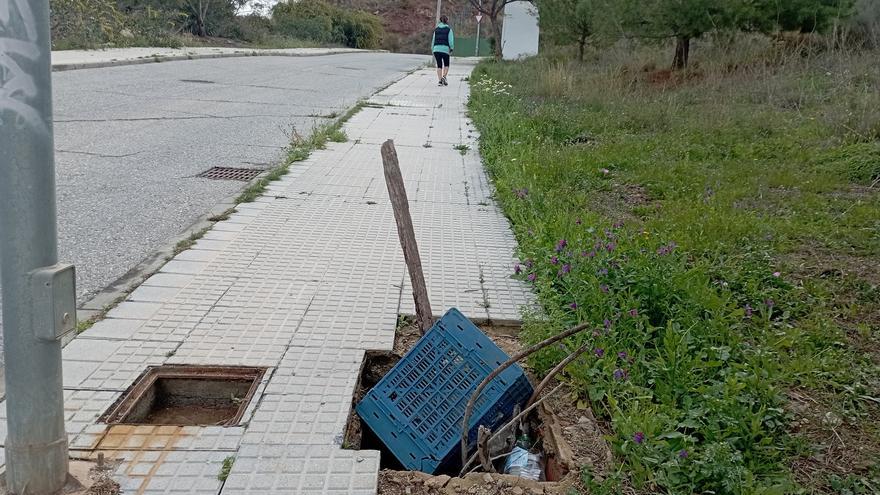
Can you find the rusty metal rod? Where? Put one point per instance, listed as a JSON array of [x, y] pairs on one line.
[[531, 350], [562, 364]]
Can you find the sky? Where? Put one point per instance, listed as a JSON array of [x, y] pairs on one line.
[[253, 6]]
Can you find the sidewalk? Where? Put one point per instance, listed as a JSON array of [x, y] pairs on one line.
[[90, 59], [303, 282]]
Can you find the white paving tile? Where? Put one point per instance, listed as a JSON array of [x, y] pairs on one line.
[[302, 470]]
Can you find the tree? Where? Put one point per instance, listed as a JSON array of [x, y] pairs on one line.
[[492, 9], [809, 16], [685, 20], [577, 21], [196, 13], [682, 20]]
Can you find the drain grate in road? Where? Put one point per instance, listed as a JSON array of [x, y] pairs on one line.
[[230, 173]]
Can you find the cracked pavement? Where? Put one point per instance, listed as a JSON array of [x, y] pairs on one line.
[[131, 139]]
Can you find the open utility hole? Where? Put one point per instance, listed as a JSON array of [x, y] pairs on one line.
[[184, 395], [550, 434], [230, 173]]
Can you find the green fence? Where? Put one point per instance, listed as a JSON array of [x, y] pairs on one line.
[[466, 46]]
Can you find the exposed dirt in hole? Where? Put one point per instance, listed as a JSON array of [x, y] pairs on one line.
[[192, 414], [571, 438]]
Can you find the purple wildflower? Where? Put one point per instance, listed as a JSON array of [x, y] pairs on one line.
[[604, 171], [530, 263], [618, 224], [607, 324], [561, 245], [634, 312], [573, 305], [521, 193], [532, 277], [610, 246], [592, 254], [566, 268], [599, 352], [603, 288], [683, 454], [554, 260], [603, 271], [517, 269], [584, 254], [777, 274], [578, 221], [622, 355], [749, 310], [769, 303], [639, 437], [619, 374]]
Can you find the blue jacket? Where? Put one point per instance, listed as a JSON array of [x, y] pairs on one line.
[[443, 48]]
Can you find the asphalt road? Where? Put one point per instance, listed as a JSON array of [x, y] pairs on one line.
[[130, 140]]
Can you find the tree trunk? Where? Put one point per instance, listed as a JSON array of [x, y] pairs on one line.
[[496, 34], [582, 43], [682, 53]]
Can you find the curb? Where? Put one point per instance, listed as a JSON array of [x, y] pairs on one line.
[[61, 67]]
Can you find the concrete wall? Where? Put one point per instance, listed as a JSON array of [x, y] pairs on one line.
[[519, 34]]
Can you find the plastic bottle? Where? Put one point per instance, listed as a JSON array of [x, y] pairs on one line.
[[524, 464]]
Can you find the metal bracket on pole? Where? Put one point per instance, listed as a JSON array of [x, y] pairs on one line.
[[54, 287]]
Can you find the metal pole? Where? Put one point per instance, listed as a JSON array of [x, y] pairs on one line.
[[477, 49], [36, 445]]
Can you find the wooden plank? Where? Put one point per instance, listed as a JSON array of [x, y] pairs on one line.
[[400, 204]]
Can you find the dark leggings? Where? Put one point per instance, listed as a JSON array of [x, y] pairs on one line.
[[442, 59]]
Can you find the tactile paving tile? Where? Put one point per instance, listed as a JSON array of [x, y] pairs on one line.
[[172, 322], [317, 371], [169, 437], [308, 398], [351, 317], [119, 370], [150, 472], [302, 470], [235, 350], [82, 408]]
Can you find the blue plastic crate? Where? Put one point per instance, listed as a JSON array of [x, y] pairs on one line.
[[417, 408]]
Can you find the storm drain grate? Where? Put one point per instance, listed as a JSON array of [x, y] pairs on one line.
[[230, 173]]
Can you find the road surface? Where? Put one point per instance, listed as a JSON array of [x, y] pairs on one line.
[[130, 140]]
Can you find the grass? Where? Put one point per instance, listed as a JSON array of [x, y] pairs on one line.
[[721, 228], [226, 468], [190, 241], [462, 149]]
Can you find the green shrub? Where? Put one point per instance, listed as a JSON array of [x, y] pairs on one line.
[[358, 29], [87, 23], [319, 21]]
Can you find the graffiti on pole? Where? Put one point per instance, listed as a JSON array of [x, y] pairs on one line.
[[19, 44]]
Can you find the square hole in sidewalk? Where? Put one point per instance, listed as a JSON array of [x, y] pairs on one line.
[[184, 395], [567, 438]]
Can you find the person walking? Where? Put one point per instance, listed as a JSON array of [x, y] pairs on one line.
[[442, 44]]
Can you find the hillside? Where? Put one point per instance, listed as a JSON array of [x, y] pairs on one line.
[[408, 23]]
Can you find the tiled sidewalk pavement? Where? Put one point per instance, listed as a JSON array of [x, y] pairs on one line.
[[303, 281]]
